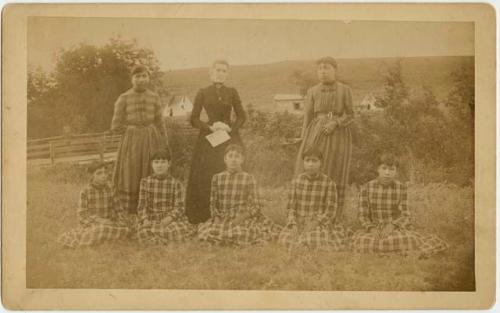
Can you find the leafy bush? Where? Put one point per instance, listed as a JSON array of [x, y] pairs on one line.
[[434, 144], [181, 139], [86, 79], [269, 155]]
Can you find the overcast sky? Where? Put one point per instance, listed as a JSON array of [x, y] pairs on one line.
[[189, 43]]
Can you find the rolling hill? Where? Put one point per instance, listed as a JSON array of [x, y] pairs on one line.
[[257, 84]]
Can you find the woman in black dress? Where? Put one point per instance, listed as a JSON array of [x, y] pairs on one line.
[[219, 101]]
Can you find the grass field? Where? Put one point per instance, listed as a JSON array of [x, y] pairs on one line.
[[52, 198]]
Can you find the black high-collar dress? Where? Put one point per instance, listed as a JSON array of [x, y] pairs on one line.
[[219, 102]]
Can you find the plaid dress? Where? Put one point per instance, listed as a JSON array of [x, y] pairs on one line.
[[313, 198], [326, 103], [161, 197], [137, 115], [231, 194], [100, 216], [380, 205]]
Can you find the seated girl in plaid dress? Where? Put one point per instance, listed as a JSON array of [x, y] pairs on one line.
[[312, 206], [100, 214], [161, 205], [236, 218], [385, 216]]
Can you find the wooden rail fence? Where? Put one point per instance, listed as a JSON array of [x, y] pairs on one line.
[[76, 148], [83, 148]]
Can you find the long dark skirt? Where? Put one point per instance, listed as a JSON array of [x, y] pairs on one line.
[[132, 162], [206, 162]]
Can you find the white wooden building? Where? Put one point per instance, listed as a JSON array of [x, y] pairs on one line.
[[367, 104], [179, 106], [292, 103]]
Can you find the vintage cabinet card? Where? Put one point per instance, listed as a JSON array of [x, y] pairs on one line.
[[359, 172]]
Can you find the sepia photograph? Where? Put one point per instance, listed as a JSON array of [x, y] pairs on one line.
[[250, 154]]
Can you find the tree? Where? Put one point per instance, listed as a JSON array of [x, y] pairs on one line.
[[304, 80], [419, 131], [39, 91], [461, 104], [39, 83], [84, 85], [461, 97]]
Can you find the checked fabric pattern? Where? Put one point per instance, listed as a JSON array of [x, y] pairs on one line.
[[380, 205], [313, 199], [133, 108], [100, 216], [234, 193], [161, 197]]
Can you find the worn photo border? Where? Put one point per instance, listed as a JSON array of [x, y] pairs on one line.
[[15, 295]]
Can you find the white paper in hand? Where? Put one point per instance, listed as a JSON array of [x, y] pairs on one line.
[[217, 137]]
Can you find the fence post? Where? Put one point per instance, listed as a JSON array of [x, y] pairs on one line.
[[52, 152], [102, 146]]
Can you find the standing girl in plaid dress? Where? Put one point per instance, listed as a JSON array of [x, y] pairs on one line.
[[385, 217], [100, 214], [235, 207], [328, 115], [161, 205], [312, 205], [138, 117]]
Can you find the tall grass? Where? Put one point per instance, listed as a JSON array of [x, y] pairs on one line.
[[444, 209]]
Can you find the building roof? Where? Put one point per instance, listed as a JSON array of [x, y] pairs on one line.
[[182, 101], [368, 99], [288, 97], [178, 106]]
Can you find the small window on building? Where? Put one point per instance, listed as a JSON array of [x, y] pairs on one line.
[[296, 105]]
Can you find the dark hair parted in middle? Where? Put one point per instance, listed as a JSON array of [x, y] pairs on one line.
[[94, 166], [235, 147], [327, 60], [388, 159], [313, 152], [161, 154], [139, 69]]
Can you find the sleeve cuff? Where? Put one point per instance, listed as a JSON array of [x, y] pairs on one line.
[[369, 227], [203, 126], [322, 220], [401, 225]]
